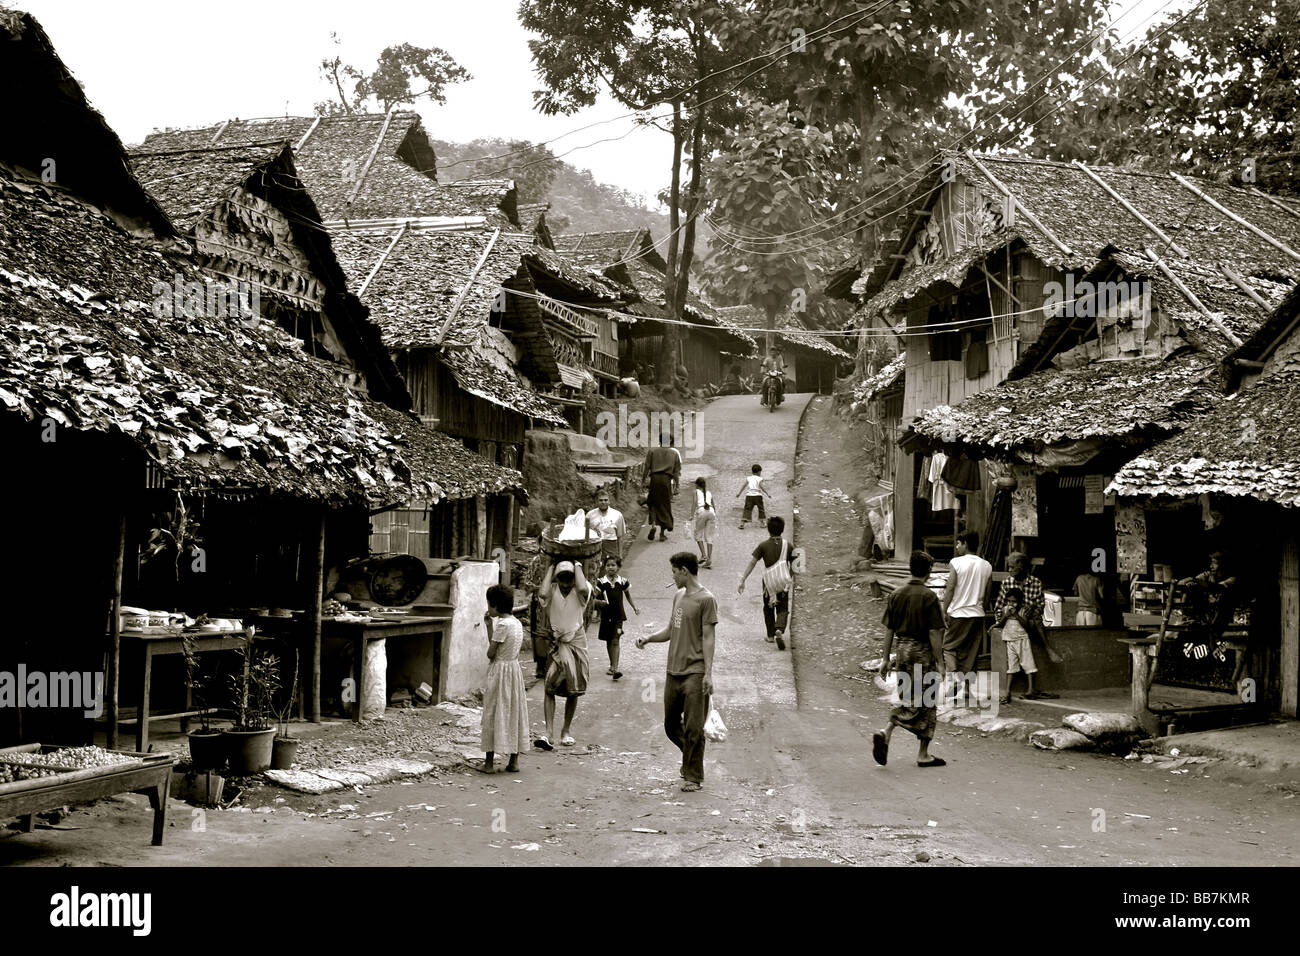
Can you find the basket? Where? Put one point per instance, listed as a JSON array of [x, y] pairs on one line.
[[568, 550]]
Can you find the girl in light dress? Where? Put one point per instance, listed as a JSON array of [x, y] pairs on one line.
[[706, 520], [505, 706]]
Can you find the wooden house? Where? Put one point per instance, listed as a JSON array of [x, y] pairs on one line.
[[709, 344], [1239, 467], [813, 360], [123, 397], [1058, 317]]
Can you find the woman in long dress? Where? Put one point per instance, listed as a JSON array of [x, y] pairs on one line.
[[663, 471], [505, 706]]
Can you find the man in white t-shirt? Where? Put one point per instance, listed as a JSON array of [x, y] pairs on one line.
[[963, 606], [609, 524]]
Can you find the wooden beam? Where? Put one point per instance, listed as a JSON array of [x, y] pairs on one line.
[[374, 151], [991, 278], [217, 135], [307, 135], [1192, 188], [455, 306], [1190, 296], [997, 183], [315, 596], [397, 237], [1133, 211], [1277, 202], [1239, 281], [115, 635]]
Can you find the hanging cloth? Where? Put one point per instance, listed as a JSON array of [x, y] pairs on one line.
[[962, 474], [923, 486], [941, 495]]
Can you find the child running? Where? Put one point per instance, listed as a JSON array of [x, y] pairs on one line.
[[613, 588], [505, 706], [753, 489], [706, 519]]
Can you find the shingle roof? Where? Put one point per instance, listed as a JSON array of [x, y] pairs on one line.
[[1124, 401], [789, 329], [1247, 447], [214, 400], [400, 181]]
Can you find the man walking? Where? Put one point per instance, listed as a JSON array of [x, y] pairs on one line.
[[778, 578], [608, 523], [662, 474], [963, 608], [565, 599], [689, 683], [913, 627]]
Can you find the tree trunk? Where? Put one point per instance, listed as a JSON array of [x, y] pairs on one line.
[[682, 287], [670, 344], [770, 337]]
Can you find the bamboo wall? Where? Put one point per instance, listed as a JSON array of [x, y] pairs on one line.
[[434, 391]]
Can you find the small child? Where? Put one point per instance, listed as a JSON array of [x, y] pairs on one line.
[[706, 519], [505, 704], [753, 489], [1015, 638], [612, 589]]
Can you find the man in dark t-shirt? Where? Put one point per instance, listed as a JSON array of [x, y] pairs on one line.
[[914, 623], [689, 684], [776, 601]]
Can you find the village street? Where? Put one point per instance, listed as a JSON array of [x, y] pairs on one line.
[[793, 782]]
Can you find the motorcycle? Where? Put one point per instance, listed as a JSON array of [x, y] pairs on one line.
[[773, 389]]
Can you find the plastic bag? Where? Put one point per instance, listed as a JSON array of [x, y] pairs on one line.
[[714, 728], [575, 527]]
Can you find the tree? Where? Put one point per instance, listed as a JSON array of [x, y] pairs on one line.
[[402, 74], [770, 180], [648, 54], [1214, 88]]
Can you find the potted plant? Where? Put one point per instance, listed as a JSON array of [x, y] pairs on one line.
[[252, 691], [207, 746], [285, 747]]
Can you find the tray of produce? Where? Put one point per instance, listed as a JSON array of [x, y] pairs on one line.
[[36, 765]]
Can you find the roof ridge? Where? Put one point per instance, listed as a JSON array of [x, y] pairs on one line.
[[261, 144]]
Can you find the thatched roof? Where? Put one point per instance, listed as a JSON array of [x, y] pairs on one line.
[[873, 385], [400, 180], [1247, 447], [48, 120], [790, 331], [630, 258], [1118, 402], [216, 401], [199, 189], [423, 293]]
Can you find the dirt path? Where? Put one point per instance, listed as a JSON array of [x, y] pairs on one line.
[[793, 782]]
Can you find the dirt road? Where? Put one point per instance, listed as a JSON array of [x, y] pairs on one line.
[[794, 780]]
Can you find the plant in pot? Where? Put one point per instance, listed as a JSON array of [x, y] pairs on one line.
[[285, 747], [252, 691], [207, 746]]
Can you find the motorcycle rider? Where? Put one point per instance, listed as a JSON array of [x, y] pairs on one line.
[[774, 363]]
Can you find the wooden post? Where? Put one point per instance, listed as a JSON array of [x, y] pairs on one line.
[[316, 585], [1289, 584], [115, 634]]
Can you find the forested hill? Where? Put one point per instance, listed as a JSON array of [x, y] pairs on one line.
[[578, 202]]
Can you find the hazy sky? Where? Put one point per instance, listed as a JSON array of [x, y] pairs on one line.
[[156, 63]]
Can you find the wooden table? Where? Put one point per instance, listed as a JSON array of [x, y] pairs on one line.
[[151, 775], [360, 634], [161, 645]]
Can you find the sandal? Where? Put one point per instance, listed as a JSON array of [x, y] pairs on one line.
[[690, 786], [480, 766], [567, 741], [771, 638], [541, 743], [932, 762], [879, 747], [780, 643]]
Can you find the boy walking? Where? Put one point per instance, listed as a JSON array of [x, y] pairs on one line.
[[778, 578], [963, 608], [689, 683], [914, 625], [753, 489]]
